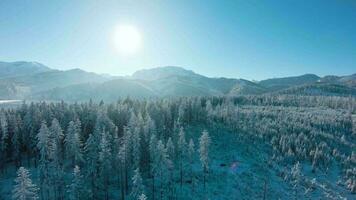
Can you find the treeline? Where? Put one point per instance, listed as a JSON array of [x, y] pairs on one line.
[[140, 147]]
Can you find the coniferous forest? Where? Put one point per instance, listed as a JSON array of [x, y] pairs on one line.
[[242, 147]]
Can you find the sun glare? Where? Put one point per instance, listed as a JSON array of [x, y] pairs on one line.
[[127, 39]]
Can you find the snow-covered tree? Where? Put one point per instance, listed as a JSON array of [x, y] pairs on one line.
[[123, 159], [16, 139], [55, 172], [191, 152], [105, 163], [182, 153], [161, 164], [73, 144], [91, 150], [24, 188], [153, 155], [204, 143], [44, 142], [136, 148], [46, 149], [137, 185], [3, 139], [58, 136], [76, 188], [3, 130]]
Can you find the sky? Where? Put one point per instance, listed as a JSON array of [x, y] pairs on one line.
[[250, 39]]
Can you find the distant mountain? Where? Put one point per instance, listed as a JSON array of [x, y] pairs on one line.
[[107, 91], [22, 86], [43, 83], [163, 72], [176, 81], [275, 84], [156, 82], [21, 68], [344, 80]]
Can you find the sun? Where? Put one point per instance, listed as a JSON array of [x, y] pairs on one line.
[[127, 39]]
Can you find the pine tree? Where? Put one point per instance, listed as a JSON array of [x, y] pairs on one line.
[[14, 127], [56, 159], [76, 188], [122, 157], [161, 164], [153, 155], [105, 163], [73, 144], [182, 153], [43, 144], [171, 155], [24, 188], [191, 151], [204, 143], [45, 148], [91, 150], [3, 140], [58, 136], [137, 185], [136, 148]]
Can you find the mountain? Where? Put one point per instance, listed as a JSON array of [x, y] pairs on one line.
[[107, 91], [275, 84], [177, 81], [163, 72], [344, 80], [41, 79], [43, 83], [21, 68]]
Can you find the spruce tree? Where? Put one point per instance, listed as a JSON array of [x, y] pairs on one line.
[[182, 153], [91, 150], [204, 143], [73, 144], [191, 152], [24, 188], [153, 155], [105, 163], [45, 148], [3, 140], [76, 188], [137, 185]]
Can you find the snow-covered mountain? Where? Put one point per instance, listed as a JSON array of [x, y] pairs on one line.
[[21, 68], [41, 82]]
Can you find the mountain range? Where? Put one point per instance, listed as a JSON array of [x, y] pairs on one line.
[[35, 81]]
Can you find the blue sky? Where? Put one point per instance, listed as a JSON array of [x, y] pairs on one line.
[[241, 39]]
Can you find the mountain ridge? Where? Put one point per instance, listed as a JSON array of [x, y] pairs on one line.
[[77, 84]]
